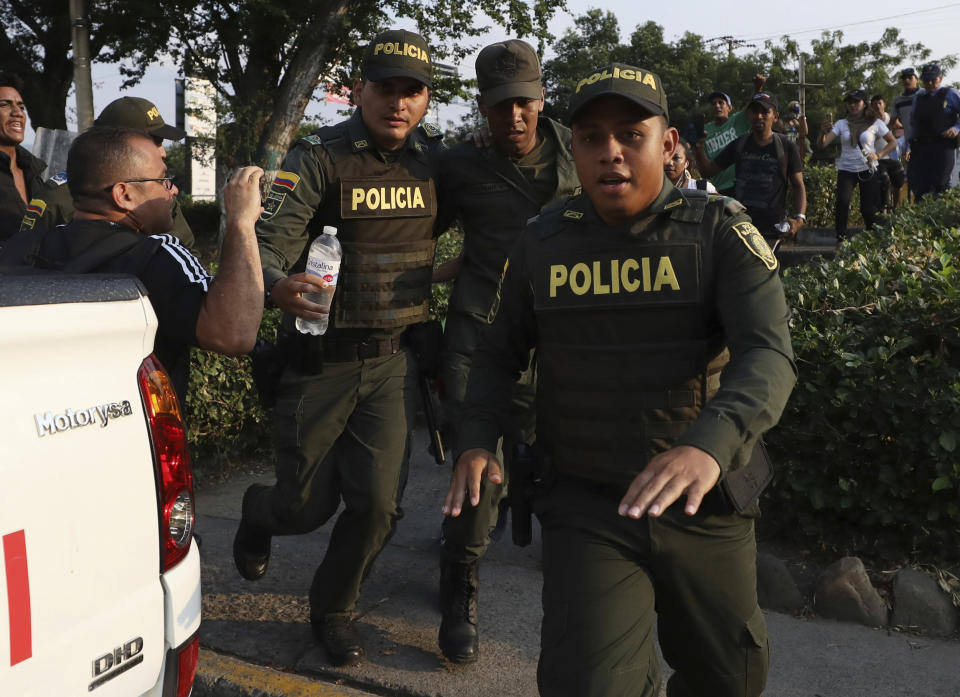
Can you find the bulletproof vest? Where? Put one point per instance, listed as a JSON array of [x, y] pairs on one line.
[[385, 215], [629, 346], [931, 116]]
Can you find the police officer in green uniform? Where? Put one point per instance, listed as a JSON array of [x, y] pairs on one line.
[[53, 205], [21, 174], [340, 425], [493, 191], [663, 355]]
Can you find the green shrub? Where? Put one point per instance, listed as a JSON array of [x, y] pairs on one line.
[[225, 420], [203, 217], [820, 182], [866, 451]]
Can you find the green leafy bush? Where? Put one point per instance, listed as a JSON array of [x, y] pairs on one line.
[[820, 182], [866, 451], [203, 218], [225, 420]]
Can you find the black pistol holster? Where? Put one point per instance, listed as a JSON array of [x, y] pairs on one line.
[[531, 474], [267, 361], [743, 486]]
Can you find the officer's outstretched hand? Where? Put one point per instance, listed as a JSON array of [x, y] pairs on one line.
[[287, 294], [465, 480], [680, 470]]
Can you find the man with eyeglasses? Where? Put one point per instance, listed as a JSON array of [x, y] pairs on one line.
[[20, 172], [123, 202], [53, 205]]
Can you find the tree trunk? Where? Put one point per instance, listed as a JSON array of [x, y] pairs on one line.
[[297, 86]]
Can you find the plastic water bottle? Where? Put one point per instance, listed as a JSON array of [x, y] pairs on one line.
[[323, 261]]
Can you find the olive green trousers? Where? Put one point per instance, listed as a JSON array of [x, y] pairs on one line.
[[338, 435], [466, 538], [608, 580]]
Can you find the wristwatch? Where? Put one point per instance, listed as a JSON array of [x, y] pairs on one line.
[[799, 216]]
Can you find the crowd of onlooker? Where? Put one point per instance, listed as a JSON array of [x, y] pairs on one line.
[[756, 154]]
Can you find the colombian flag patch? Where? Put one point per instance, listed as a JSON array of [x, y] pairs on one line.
[[37, 206], [286, 180]]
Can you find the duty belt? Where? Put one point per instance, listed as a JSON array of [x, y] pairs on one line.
[[346, 351], [307, 354]]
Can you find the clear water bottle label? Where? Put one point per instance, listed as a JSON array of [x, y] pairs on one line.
[[326, 269]]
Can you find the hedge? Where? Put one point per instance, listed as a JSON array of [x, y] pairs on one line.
[[866, 452]]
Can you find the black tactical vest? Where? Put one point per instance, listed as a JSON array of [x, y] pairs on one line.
[[629, 344], [931, 116], [385, 215]]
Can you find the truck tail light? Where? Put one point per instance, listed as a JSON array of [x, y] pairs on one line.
[[187, 659], [172, 460]]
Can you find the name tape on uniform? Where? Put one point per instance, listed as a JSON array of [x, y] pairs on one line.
[[641, 276], [364, 198]]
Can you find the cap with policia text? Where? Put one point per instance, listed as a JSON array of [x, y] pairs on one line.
[[639, 86], [139, 115], [508, 70], [397, 53]]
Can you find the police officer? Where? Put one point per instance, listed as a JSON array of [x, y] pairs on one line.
[[493, 191], [339, 423], [663, 354], [935, 127], [53, 205], [21, 174]]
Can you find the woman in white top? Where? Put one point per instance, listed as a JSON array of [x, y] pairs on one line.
[[864, 139], [678, 170]]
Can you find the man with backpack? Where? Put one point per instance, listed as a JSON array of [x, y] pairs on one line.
[[766, 164]]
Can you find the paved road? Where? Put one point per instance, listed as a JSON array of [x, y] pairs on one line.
[[265, 624]]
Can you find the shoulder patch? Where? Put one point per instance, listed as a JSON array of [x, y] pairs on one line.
[[272, 203], [37, 206], [572, 214], [673, 204], [754, 241], [312, 140], [59, 178], [286, 181], [431, 130], [360, 144]]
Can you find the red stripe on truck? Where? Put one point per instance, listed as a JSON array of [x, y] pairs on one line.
[[18, 596]]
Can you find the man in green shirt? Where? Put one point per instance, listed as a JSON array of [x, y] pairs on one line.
[[724, 128], [492, 191]]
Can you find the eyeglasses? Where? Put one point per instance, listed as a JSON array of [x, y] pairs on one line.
[[166, 181]]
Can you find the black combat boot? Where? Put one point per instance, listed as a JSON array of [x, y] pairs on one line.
[[340, 638], [251, 550], [459, 587]]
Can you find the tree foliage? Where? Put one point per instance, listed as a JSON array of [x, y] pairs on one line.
[[691, 68], [266, 59], [37, 45]]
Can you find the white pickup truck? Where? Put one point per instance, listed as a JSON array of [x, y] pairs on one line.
[[99, 571]]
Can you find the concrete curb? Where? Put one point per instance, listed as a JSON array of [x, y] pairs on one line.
[[219, 675]]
